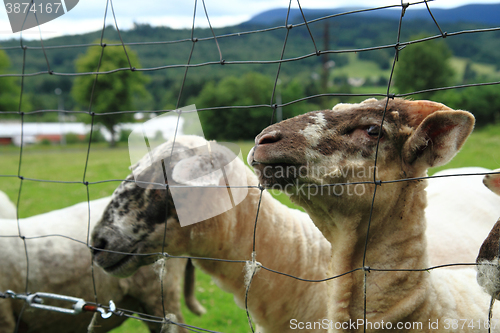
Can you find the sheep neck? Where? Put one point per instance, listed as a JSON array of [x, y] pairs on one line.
[[280, 232], [226, 236], [396, 240]]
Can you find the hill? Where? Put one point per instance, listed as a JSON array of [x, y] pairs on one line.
[[163, 51], [486, 14]]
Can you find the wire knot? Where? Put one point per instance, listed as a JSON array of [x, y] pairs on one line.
[[405, 5], [251, 268], [169, 324]]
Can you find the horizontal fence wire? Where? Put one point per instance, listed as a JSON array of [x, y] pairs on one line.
[[188, 67]]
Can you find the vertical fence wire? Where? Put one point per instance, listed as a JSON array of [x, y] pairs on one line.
[[397, 46]]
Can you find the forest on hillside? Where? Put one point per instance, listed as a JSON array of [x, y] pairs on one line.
[[250, 52]]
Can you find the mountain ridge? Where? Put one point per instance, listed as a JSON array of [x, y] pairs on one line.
[[486, 14]]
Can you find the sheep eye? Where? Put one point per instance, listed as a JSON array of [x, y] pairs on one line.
[[373, 130]]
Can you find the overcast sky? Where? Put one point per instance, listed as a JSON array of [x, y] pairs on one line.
[[88, 14]]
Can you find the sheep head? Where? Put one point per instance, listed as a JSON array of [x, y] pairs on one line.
[[339, 146], [144, 217]]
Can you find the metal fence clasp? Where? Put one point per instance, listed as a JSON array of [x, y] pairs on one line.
[[36, 301]]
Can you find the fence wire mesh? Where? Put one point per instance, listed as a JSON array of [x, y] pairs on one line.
[[189, 69]]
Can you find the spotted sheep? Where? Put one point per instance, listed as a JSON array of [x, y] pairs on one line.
[[138, 219], [488, 257], [287, 240], [372, 235]]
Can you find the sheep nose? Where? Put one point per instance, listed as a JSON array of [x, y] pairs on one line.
[[268, 138], [98, 244]]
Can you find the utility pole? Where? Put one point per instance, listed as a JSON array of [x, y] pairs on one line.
[[60, 107], [279, 110], [324, 59]]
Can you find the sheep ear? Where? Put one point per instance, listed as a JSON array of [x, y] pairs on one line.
[[438, 138], [492, 181], [205, 168]]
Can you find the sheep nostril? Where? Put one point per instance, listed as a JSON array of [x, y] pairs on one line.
[[268, 138], [99, 244]]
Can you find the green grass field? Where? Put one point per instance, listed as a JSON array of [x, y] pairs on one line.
[[55, 163]]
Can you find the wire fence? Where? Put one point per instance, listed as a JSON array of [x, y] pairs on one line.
[[30, 297]]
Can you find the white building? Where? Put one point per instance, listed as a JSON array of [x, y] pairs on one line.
[[10, 131]]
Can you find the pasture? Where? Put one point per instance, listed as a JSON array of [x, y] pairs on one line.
[[106, 167]]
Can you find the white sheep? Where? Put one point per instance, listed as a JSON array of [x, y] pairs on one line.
[[377, 231], [7, 208], [287, 240], [488, 258], [452, 203], [61, 265]]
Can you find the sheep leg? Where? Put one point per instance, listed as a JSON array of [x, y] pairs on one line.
[[7, 320], [189, 296]]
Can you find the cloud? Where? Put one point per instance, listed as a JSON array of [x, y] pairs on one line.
[[88, 15]]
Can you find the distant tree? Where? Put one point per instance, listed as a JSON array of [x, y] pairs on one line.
[[249, 89], [482, 101], [124, 134], [292, 91], [9, 86], [423, 66], [113, 92], [235, 123]]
